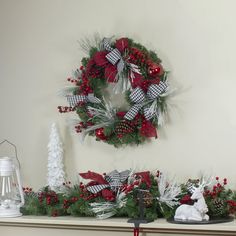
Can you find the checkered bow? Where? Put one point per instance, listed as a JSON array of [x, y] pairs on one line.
[[115, 180], [114, 55], [75, 99], [148, 101]]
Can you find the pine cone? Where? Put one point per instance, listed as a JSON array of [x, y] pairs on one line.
[[147, 197], [124, 127], [218, 207]]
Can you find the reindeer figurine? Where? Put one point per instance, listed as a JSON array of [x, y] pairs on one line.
[[197, 212]]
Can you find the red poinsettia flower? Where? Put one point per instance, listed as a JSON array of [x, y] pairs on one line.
[[148, 129], [145, 177], [140, 81], [93, 176], [110, 73], [108, 195], [100, 58], [122, 44]]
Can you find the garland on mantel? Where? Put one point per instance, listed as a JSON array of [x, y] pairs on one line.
[[127, 68], [116, 194]]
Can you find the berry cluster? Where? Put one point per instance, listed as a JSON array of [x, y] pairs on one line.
[[137, 57], [27, 190], [217, 188], [48, 197], [65, 109], [68, 202], [82, 125], [232, 206], [74, 81]]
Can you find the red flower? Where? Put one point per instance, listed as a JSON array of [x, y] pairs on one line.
[[145, 177], [148, 129], [94, 176], [139, 81], [108, 195], [122, 44], [121, 114], [89, 67], [110, 73], [100, 58], [186, 199]]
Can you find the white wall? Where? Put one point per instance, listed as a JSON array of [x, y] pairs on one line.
[[195, 39]]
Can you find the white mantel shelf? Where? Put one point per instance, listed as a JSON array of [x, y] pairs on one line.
[[118, 224]]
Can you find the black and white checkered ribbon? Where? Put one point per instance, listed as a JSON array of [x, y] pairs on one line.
[[141, 100], [75, 99], [114, 55], [138, 97], [115, 180]]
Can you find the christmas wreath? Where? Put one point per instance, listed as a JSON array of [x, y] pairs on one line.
[[124, 67]]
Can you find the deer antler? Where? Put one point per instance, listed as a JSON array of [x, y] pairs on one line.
[[205, 181]]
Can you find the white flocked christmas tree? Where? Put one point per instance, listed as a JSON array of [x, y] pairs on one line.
[[56, 174]]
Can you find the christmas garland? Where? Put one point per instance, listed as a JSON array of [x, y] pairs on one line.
[[117, 194], [130, 69]]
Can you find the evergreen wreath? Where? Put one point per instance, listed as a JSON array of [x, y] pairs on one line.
[[130, 69]]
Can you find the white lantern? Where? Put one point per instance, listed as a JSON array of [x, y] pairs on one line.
[[11, 193]]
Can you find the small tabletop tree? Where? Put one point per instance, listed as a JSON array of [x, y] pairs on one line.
[[56, 174]]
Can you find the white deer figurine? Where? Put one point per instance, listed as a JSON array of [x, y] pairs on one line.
[[196, 212]]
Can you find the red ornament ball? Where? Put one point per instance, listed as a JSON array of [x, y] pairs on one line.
[[155, 70], [100, 134]]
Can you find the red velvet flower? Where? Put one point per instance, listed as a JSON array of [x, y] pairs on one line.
[[148, 129], [140, 81], [145, 177], [110, 73], [100, 58], [122, 44], [93, 176], [108, 195]]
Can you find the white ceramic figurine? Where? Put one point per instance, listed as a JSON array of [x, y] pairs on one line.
[[196, 212]]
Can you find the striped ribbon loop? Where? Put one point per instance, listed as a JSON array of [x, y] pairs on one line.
[[106, 44], [114, 56], [97, 188], [73, 100], [115, 180], [151, 113]]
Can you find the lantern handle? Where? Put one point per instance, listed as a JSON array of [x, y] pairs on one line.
[[12, 144]]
